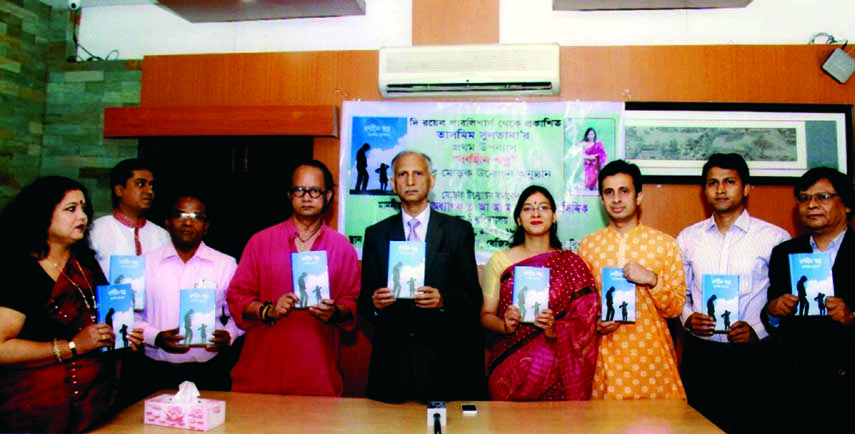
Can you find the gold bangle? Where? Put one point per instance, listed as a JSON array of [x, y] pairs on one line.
[[56, 351]]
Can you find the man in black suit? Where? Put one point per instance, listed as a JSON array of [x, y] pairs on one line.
[[429, 347], [815, 357]]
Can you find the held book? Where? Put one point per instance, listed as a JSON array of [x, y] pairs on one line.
[[531, 291], [720, 297], [310, 276], [130, 269], [406, 268], [812, 281], [116, 309], [618, 296], [197, 316]]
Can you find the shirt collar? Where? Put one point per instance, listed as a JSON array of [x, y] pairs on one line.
[[742, 222], [126, 221], [833, 246], [201, 252], [423, 217]]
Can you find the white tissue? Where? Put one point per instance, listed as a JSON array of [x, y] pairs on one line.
[[187, 392]]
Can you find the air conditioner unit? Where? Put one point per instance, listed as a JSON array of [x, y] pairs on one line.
[[469, 70]]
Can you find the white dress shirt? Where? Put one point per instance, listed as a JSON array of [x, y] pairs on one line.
[[744, 251]]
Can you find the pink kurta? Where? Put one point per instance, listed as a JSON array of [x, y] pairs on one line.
[[298, 354]]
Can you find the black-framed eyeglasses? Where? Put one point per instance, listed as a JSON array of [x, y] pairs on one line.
[[821, 198], [314, 192], [181, 215]]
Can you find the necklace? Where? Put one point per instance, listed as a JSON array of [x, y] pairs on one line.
[[92, 308], [303, 243]]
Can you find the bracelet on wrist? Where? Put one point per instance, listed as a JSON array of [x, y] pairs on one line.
[[56, 351], [265, 310]]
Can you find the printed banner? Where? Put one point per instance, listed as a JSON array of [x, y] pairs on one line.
[[483, 155]]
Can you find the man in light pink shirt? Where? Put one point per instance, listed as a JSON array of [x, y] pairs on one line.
[[186, 263]]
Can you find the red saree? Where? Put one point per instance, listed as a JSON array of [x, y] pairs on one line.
[[526, 365], [67, 397]]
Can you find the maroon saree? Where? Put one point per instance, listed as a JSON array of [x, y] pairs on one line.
[[526, 365], [54, 397]]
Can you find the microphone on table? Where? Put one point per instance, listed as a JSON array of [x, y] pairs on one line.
[[436, 415]]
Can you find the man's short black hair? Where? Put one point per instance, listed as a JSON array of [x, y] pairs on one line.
[[620, 166], [731, 161], [841, 183]]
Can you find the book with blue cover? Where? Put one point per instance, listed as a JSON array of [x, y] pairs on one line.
[[720, 296], [531, 291], [130, 269], [618, 295], [812, 281], [406, 268], [116, 309], [197, 316], [310, 276]]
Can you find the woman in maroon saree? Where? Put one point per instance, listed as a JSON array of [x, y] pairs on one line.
[[554, 357], [53, 378]]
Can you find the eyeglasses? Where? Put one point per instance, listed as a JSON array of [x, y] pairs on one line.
[[181, 215], [821, 198], [528, 209], [314, 192]]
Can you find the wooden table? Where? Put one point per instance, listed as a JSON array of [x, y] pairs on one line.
[[260, 413]]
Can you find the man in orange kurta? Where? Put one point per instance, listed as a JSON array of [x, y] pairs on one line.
[[637, 360]]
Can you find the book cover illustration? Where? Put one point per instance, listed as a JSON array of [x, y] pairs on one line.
[[197, 316], [720, 296], [406, 268], [310, 276], [531, 291], [130, 269], [811, 278], [116, 309], [618, 293]]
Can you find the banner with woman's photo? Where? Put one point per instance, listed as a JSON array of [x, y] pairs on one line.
[[483, 155]]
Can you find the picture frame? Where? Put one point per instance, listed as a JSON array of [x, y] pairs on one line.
[[671, 141]]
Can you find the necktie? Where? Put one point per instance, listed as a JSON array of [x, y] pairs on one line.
[[413, 235]]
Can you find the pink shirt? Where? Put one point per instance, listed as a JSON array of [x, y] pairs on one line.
[[298, 354], [165, 276]]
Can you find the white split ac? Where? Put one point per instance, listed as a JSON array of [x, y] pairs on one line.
[[469, 70]]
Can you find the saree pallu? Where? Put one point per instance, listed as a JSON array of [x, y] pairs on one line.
[[68, 397], [526, 365]]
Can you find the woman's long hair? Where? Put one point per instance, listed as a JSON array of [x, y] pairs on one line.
[[28, 217], [519, 232]]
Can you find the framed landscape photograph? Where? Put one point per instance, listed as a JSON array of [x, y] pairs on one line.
[[670, 142]]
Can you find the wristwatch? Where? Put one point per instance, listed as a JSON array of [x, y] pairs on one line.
[[73, 347]]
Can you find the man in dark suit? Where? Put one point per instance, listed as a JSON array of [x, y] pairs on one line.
[[815, 357], [429, 347]]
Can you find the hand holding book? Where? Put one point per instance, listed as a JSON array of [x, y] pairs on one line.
[[428, 298], [740, 331], [170, 341], [220, 341], [545, 320], [838, 310], [639, 275], [512, 319], [700, 324], [784, 305]]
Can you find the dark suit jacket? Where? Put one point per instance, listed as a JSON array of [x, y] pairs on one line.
[[817, 344], [425, 354]]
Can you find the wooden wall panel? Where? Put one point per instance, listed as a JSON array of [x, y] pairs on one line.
[[461, 22]]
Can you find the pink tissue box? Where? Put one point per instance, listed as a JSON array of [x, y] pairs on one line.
[[199, 416]]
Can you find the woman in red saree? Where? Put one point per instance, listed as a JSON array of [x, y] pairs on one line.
[[53, 378], [554, 357]]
